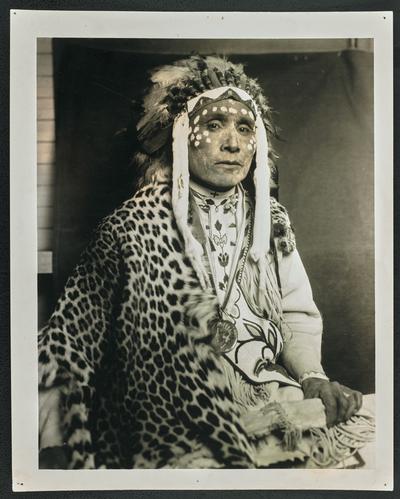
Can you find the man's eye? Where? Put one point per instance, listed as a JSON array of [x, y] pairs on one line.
[[244, 129], [213, 125]]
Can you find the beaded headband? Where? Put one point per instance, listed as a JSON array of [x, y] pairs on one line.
[[195, 104]]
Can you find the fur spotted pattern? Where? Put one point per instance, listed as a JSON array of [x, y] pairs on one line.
[[129, 348]]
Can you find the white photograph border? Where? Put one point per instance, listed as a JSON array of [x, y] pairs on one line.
[[26, 28]]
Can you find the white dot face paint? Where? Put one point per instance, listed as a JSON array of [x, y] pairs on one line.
[[192, 137], [199, 136], [208, 140], [214, 109], [206, 133], [196, 120], [224, 109], [190, 129], [232, 110], [204, 112], [196, 129], [243, 111], [251, 115], [196, 144]]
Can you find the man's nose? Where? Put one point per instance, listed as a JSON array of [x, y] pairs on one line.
[[230, 141]]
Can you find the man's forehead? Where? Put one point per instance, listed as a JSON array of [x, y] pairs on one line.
[[222, 107]]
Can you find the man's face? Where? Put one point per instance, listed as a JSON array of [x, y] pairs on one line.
[[221, 144]]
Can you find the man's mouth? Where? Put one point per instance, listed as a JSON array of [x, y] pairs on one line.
[[229, 162]]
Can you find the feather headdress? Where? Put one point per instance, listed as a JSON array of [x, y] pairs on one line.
[[170, 87], [179, 89]]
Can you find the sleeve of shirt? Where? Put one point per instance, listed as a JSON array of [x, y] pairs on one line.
[[302, 323]]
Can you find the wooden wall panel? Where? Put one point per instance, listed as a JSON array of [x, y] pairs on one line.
[[45, 239], [45, 108], [45, 217], [45, 154], [45, 174]]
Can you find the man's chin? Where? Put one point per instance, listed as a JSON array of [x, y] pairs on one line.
[[222, 184], [220, 187]]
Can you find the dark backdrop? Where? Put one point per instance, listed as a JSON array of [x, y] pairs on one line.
[[324, 104]]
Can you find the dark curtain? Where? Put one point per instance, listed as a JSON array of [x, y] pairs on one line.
[[324, 108]]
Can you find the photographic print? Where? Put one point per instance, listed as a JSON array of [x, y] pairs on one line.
[[204, 217]]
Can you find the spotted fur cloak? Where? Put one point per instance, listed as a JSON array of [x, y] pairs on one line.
[[129, 348]]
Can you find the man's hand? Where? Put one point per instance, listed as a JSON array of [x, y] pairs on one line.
[[340, 402]]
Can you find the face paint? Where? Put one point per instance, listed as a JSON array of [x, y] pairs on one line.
[[224, 144]]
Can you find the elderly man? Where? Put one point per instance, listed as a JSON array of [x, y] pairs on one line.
[[191, 305]]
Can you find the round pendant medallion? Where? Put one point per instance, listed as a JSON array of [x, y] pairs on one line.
[[225, 335]]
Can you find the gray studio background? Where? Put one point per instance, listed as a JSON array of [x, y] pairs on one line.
[[322, 91]]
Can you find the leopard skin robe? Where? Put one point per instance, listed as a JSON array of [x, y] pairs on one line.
[[129, 350]]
